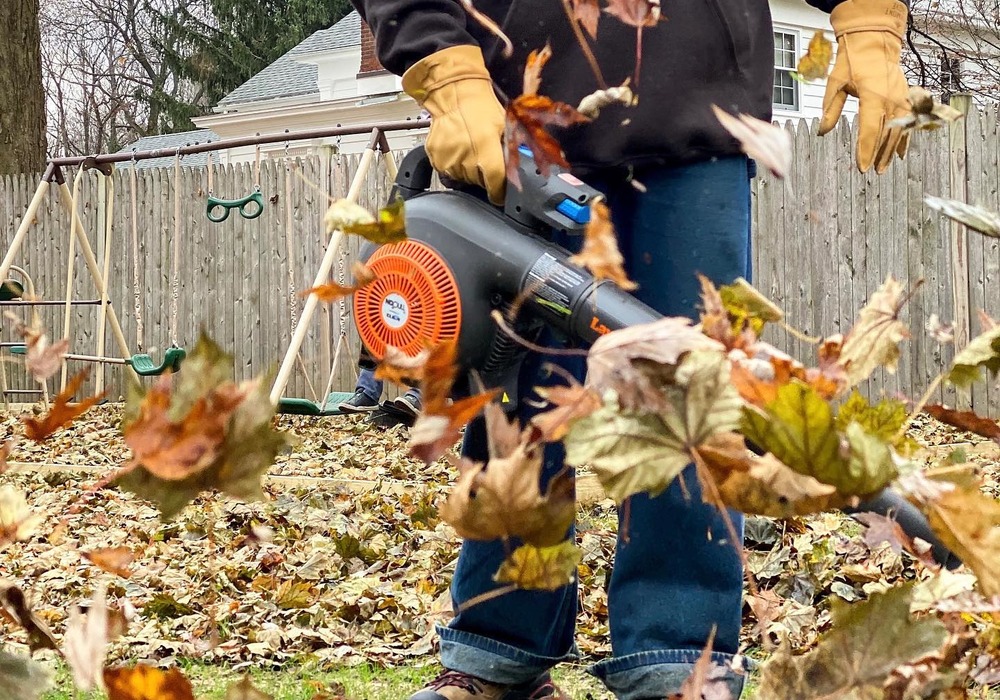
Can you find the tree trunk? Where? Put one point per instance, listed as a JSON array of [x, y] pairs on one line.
[[22, 96]]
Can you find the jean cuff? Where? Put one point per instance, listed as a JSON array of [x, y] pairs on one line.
[[661, 673], [494, 661]]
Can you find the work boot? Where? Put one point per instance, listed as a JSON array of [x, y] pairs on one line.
[[359, 403], [455, 685]]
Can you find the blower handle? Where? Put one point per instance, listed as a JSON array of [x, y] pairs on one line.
[[413, 176]]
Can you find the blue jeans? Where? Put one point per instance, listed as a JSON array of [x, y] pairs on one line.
[[369, 384], [677, 574]]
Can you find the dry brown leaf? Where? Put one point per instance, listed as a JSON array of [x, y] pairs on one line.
[[503, 498], [332, 291], [540, 568], [437, 427], [398, 367], [815, 64], [635, 13], [114, 560], [592, 104], [587, 13], [968, 523], [146, 683], [965, 420], [772, 489], [943, 333], [175, 449], [926, 114], [769, 144], [15, 606], [874, 339], [85, 642], [600, 253], [527, 117], [62, 412], [533, 69], [637, 361], [571, 403]]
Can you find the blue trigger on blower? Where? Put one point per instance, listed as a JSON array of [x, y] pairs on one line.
[[579, 213]]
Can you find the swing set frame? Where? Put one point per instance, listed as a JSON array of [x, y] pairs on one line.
[[53, 178]]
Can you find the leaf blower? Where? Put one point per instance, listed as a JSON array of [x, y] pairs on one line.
[[465, 258]]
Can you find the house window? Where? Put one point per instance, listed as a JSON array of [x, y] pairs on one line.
[[786, 88], [950, 76]]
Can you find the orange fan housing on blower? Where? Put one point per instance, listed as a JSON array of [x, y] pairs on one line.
[[413, 301]]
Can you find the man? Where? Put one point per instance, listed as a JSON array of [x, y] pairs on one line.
[[676, 577]]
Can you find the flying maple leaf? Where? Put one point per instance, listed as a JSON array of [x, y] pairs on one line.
[[926, 113], [173, 450], [527, 117], [146, 683], [244, 689], [874, 339], [767, 143], [438, 425], [398, 367], [503, 498], [200, 431], [14, 603], [588, 14], [982, 351], [389, 226], [43, 359], [868, 640], [635, 13], [85, 642], [571, 403], [332, 291], [540, 568], [592, 104], [62, 412], [600, 253], [17, 522], [642, 450], [636, 361], [815, 64], [978, 219], [770, 488], [800, 429], [968, 523], [114, 560]]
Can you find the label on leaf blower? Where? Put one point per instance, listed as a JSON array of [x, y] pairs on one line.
[[553, 283], [395, 311]]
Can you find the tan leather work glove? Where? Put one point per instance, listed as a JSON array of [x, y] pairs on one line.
[[869, 41], [465, 139]]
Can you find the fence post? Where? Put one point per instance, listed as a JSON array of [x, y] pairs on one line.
[[959, 190]]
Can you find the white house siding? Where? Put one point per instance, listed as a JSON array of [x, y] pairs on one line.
[[802, 20]]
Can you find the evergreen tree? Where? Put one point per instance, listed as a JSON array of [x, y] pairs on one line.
[[219, 45]]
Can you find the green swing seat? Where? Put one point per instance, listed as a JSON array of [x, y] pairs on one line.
[[145, 367], [305, 407], [142, 364]]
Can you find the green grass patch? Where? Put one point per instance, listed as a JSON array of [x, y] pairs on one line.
[[302, 681]]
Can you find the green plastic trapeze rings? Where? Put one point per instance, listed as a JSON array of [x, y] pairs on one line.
[[250, 207]]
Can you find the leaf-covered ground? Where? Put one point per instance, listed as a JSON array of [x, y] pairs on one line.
[[348, 563]]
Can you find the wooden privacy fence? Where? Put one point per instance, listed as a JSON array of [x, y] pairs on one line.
[[823, 243], [240, 280], [828, 239]]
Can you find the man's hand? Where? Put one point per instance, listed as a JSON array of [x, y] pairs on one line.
[[467, 119], [869, 41]]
